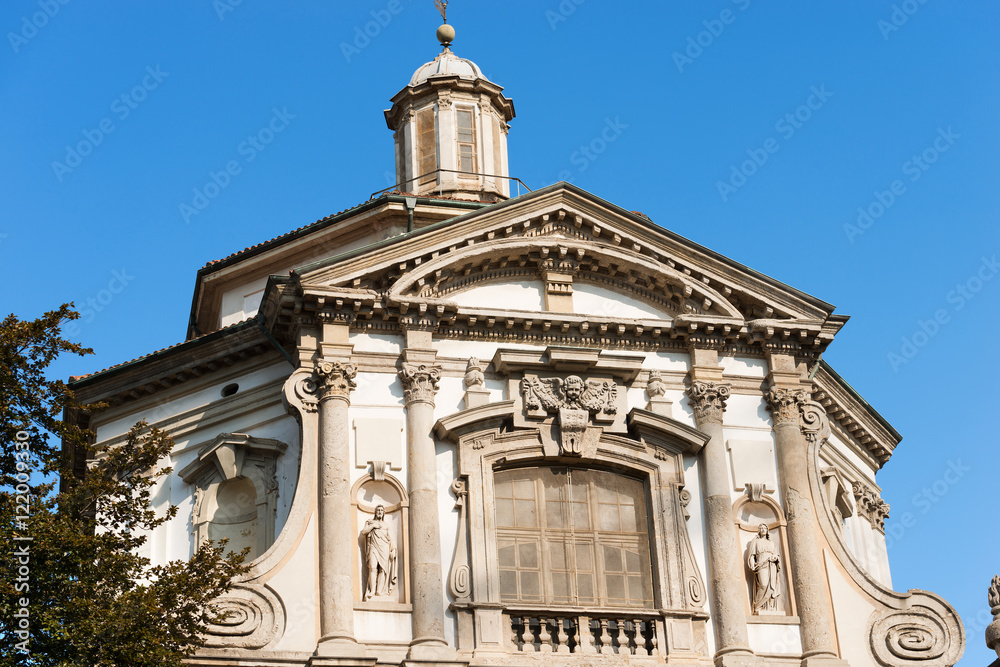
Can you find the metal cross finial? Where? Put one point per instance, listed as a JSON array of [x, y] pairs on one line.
[[442, 6]]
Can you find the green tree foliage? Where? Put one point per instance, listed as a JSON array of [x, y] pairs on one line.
[[72, 558]]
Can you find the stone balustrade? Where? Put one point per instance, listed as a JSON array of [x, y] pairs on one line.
[[569, 632]]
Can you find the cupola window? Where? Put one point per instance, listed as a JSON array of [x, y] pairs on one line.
[[466, 142]]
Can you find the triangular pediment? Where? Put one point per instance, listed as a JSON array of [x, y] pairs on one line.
[[562, 237]]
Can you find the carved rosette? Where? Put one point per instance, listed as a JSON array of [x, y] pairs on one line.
[[708, 399], [420, 382], [993, 629], [252, 618], [914, 636], [335, 379], [785, 404]]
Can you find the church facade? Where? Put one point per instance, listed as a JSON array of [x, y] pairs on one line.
[[458, 427]]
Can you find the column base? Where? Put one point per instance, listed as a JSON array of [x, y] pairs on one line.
[[432, 654], [340, 652], [823, 660], [736, 658]]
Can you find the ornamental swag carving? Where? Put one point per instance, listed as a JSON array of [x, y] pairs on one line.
[[573, 401]]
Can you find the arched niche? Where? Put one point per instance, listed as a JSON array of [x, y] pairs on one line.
[[749, 513], [235, 492], [367, 494]]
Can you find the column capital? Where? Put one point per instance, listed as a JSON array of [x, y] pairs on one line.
[[708, 400], [420, 382], [335, 379], [785, 404]]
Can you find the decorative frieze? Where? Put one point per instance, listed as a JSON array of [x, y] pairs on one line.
[[335, 379], [708, 399], [420, 382]]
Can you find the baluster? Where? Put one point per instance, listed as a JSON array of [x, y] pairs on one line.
[[527, 637], [562, 636], [585, 638], [640, 639], [515, 633], [652, 638], [605, 638], [544, 637], [616, 637]]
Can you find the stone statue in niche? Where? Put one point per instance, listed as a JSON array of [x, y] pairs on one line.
[[380, 554], [762, 558]]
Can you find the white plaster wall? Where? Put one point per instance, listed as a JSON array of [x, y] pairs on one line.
[[698, 536], [242, 302], [515, 295], [851, 612], [296, 584], [366, 342], [743, 366], [211, 393], [774, 638], [589, 299], [862, 466], [483, 350]]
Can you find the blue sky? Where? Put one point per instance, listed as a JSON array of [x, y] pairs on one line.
[[885, 107]]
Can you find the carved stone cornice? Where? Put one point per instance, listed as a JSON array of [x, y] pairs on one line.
[[420, 382], [335, 379], [708, 399], [785, 404]]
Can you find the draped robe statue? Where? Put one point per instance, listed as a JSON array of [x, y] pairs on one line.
[[762, 558], [380, 554]]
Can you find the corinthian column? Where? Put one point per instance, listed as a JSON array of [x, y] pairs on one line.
[[795, 417], [335, 380], [725, 563], [420, 384]]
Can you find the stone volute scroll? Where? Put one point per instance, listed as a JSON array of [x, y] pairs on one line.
[[335, 379], [574, 401]]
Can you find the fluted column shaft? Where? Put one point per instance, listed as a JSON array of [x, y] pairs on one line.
[[420, 384], [725, 563], [336, 594], [807, 568]]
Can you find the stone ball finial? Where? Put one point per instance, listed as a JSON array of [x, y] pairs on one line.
[[445, 35]]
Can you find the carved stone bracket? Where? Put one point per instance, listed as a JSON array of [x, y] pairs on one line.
[[420, 382], [708, 399], [870, 505], [335, 379]]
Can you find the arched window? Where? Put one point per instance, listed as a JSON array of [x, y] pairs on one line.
[[572, 536]]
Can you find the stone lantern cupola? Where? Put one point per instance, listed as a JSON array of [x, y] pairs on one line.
[[450, 127]]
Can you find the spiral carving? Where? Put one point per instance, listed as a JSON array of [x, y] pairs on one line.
[[253, 618], [696, 591], [905, 637]]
